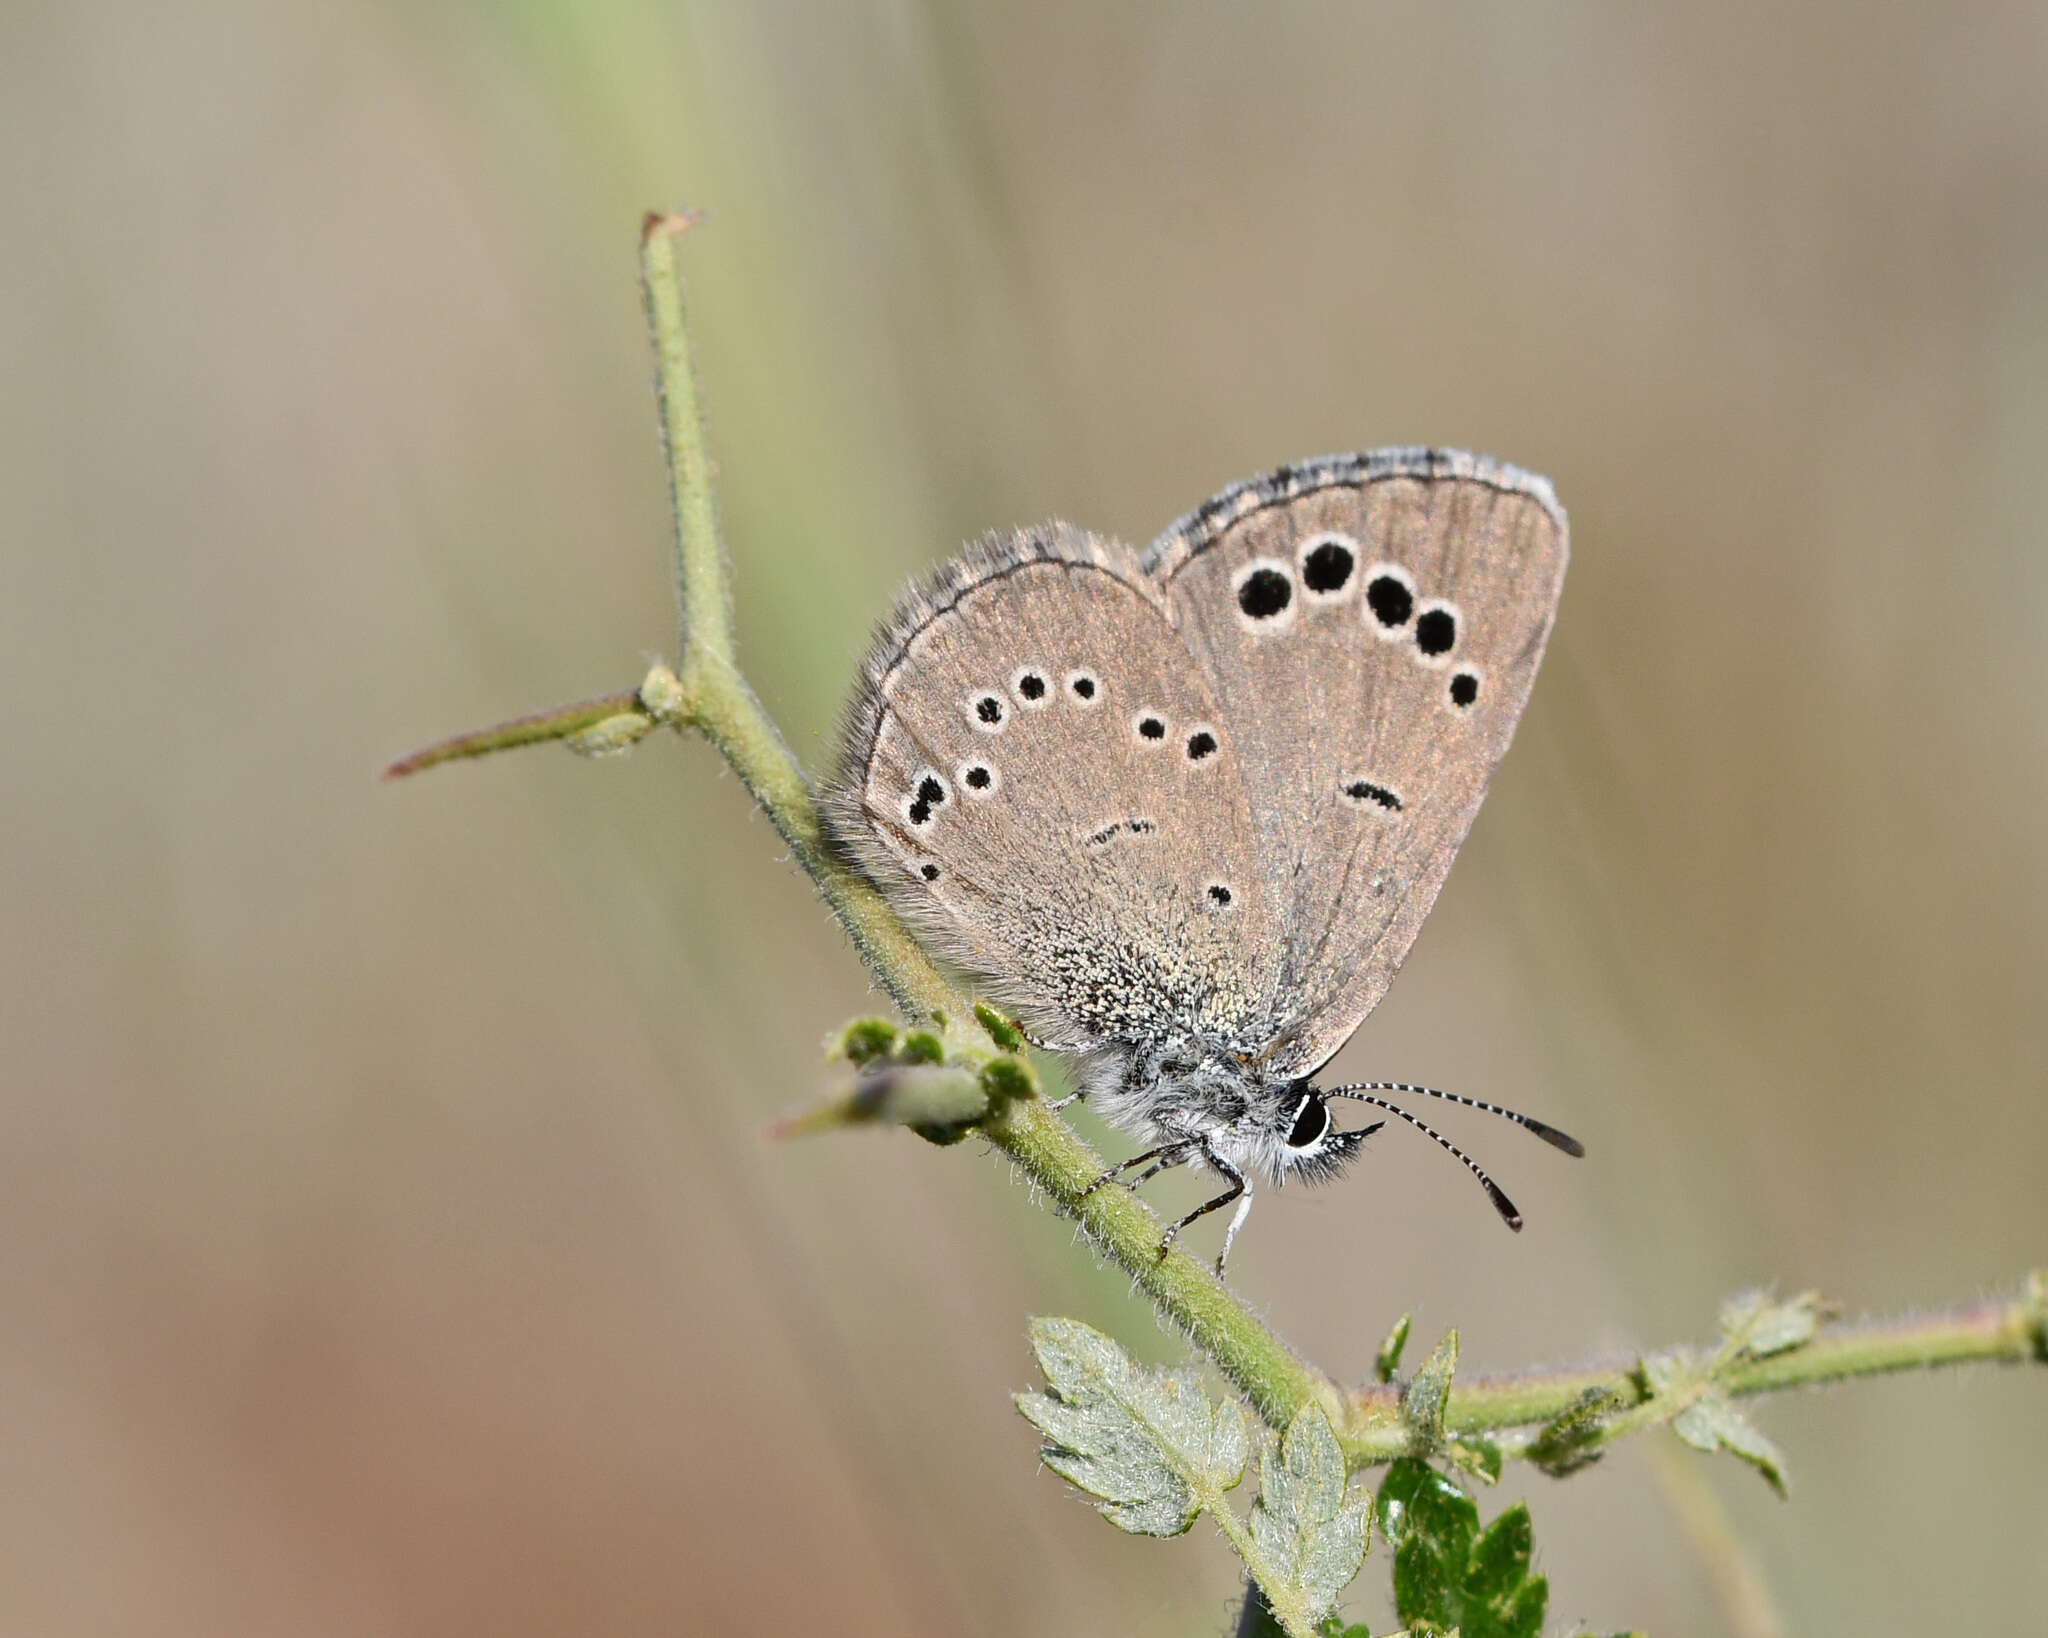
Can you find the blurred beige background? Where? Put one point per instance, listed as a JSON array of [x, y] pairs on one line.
[[391, 1245]]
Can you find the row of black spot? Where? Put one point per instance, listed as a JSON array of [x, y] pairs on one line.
[[990, 711], [1326, 569], [1201, 743]]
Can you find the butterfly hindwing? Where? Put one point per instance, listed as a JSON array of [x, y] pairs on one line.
[[1036, 775], [1371, 625]]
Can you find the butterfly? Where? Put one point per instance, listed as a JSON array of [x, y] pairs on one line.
[[1184, 812]]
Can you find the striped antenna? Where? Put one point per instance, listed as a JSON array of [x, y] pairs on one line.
[[1549, 1134]]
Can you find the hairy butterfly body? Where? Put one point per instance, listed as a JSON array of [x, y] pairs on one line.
[[1185, 812]]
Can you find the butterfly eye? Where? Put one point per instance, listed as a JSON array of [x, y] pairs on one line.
[[1311, 1123]]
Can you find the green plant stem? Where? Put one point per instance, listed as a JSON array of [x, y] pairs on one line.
[[708, 693], [564, 722], [1265, 1369], [2008, 1333], [717, 702], [703, 587]]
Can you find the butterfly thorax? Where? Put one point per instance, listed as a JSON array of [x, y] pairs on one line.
[[1222, 1102]]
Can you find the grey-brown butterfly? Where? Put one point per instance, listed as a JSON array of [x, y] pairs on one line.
[[1184, 812]]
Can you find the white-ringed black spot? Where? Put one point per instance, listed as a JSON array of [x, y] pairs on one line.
[[987, 712], [1085, 686], [1030, 688], [1265, 594], [1389, 599], [1220, 895], [1464, 688], [1436, 631], [1149, 726], [978, 779], [1364, 790], [1326, 564], [929, 872], [928, 793], [1201, 744]]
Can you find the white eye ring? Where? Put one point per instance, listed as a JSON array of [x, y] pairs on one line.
[[1312, 1145]]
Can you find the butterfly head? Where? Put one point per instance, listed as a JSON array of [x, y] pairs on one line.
[[1309, 1146], [1281, 1127]]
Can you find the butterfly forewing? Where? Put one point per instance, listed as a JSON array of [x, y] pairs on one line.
[[1039, 777], [1370, 626]]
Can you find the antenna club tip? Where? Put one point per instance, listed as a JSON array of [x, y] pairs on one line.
[[1559, 1140]]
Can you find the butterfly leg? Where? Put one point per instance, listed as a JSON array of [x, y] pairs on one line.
[[1071, 1097], [1237, 1218], [1238, 1187], [1177, 1151]]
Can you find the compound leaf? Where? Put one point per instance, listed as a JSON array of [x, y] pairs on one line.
[[1712, 1422], [1311, 1535], [1447, 1571], [1148, 1445]]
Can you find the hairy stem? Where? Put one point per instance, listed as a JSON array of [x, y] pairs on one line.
[[564, 722], [716, 700], [707, 693], [2009, 1333]]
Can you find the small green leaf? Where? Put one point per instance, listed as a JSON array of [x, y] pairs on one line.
[[1388, 1360], [662, 695], [1148, 1445], [1000, 1030], [1478, 1456], [613, 736], [1571, 1439], [1006, 1079], [865, 1039], [1712, 1422], [1756, 1324], [1423, 1400], [1669, 1372], [929, 1100], [1333, 1627], [1311, 1534], [1447, 1572], [921, 1046]]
